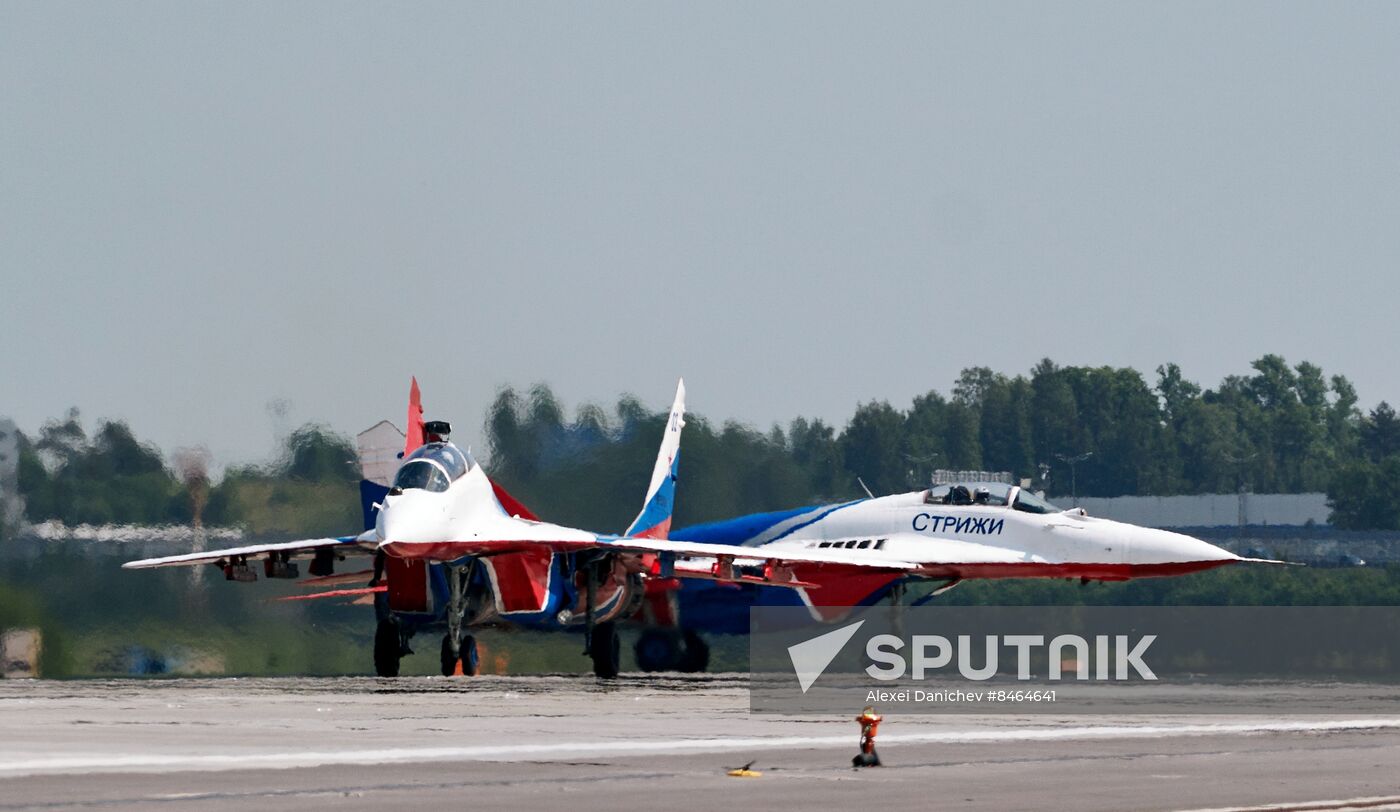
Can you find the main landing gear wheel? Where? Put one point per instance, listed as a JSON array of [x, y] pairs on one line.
[[606, 651], [658, 650], [469, 659], [672, 650], [387, 648], [697, 654]]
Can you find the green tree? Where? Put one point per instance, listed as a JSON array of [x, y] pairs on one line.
[[814, 448], [1003, 407], [871, 446], [108, 478], [314, 453], [1117, 422], [1177, 394], [1362, 495], [509, 458], [1343, 419], [1055, 428], [1380, 433], [924, 446]]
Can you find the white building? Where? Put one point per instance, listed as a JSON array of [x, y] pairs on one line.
[[379, 446], [1212, 509]]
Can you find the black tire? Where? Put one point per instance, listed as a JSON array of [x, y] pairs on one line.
[[449, 660], [387, 648], [658, 650], [471, 661], [606, 651], [696, 658]]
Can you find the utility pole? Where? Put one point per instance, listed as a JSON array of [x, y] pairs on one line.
[[1240, 463], [1073, 482], [918, 465]]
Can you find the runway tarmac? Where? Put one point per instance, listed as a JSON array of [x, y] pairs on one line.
[[577, 743]]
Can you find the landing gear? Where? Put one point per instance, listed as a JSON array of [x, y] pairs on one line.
[[658, 650], [458, 650], [471, 661], [606, 650], [897, 608], [697, 654], [450, 656], [671, 650], [465, 655], [600, 641], [388, 648]]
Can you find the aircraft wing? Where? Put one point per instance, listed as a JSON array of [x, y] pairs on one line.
[[936, 559], [754, 555], [305, 548], [829, 580]]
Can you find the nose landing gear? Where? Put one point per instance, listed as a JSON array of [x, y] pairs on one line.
[[459, 655], [461, 660]]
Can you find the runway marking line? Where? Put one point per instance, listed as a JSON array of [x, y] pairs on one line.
[[157, 763], [1372, 803]]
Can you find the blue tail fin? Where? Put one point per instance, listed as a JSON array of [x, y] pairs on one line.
[[371, 495], [655, 519]]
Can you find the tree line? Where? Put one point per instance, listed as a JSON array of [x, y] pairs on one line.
[[1102, 431], [110, 477]]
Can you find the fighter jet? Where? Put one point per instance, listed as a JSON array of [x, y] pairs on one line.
[[948, 534], [458, 551]]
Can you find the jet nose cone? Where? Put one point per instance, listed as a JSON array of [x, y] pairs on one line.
[[413, 515], [1201, 550], [1166, 547]]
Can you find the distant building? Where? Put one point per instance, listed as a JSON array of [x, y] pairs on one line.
[[379, 447], [1212, 509], [947, 476]]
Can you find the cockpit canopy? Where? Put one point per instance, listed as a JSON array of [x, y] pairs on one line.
[[990, 494], [433, 467]]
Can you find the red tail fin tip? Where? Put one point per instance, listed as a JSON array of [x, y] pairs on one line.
[[414, 438]]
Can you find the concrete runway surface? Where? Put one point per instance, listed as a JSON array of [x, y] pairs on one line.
[[576, 743]]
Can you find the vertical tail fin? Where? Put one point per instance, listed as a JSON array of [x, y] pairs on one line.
[[415, 436], [371, 497], [655, 519], [378, 448]]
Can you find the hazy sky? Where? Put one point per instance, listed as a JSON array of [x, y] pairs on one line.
[[205, 207]]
